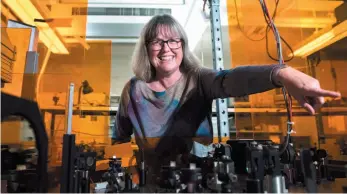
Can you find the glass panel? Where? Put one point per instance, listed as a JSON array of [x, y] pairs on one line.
[[299, 23], [89, 70], [99, 70], [18, 39]]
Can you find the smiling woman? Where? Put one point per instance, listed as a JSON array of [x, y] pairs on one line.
[[168, 104], [149, 48], [165, 59]]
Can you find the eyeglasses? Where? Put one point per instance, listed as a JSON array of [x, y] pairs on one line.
[[156, 45]]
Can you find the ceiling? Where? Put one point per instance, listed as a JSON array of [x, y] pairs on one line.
[[121, 21]]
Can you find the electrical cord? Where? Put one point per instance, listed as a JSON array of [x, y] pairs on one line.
[[287, 99], [266, 33], [285, 42], [241, 29], [267, 39]]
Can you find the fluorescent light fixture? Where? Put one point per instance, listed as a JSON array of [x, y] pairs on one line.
[[164, 2], [118, 19], [322, 39], [27, 12]]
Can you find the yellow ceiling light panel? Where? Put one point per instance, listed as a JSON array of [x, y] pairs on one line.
[[321, 40], [314, 45], [49, 42], [43, 37], [27, 12]]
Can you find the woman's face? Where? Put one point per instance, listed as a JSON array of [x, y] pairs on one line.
[[165, 51]]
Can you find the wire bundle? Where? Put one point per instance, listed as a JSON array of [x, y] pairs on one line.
[[288, 99], [266, 34]]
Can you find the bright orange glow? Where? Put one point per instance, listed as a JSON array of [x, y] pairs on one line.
[[322, 40], [27, 12]]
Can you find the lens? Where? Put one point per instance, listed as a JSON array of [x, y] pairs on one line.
[[173, 44], [158, 44]]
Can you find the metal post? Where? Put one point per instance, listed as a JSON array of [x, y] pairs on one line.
[[221, 104], [318, 116], [69, 108], [69, 147]]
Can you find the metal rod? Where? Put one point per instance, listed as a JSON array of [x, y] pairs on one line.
[[69, 108], [221, 104]]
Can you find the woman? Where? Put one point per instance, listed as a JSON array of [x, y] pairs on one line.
[[169, 101]]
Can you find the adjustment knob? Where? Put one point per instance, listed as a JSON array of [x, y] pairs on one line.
[[172, 164], [268, 142], [254, 143], [192, 166]]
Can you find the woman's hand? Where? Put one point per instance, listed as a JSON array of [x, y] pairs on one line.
[[305, 89]]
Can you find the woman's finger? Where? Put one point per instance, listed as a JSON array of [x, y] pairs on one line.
[[324, 93], [302, 101]]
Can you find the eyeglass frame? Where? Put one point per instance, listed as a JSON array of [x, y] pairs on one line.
[[178, 40]]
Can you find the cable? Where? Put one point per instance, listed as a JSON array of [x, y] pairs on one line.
[[285, 42], [280, 37], [241, 29], [288, 100], [266, 33], [42, 71]]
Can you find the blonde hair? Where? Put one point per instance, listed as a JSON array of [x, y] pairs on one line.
[[140, 62]]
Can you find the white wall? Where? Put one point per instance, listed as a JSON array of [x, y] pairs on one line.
[[120, 70], [204, 48]]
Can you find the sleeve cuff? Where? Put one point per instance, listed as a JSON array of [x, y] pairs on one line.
[[274, 73]]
